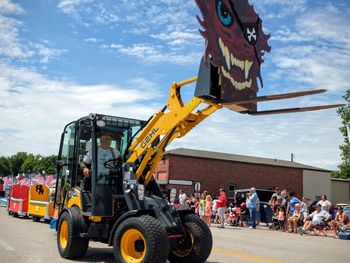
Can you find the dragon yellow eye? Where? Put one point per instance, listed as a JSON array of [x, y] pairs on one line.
[[224, 14]]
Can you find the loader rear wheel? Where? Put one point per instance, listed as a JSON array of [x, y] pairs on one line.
[[68, 246], [140, 240], [197, 245]]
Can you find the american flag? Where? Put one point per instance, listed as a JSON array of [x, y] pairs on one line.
[[48, 179], [25, 181], [35, 179], [53, 182], [5, 179], [8, 180], [41, 180]]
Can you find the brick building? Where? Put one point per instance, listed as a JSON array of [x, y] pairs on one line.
[[182, 168]]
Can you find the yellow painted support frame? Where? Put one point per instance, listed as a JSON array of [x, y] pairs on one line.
[[174, 121]]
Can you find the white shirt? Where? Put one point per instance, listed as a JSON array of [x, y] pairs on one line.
[[182, 198], [325, 204], [317, 217]]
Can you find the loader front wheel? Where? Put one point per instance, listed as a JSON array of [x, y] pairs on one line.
[[70, 247], [140, 240], [196, 246]]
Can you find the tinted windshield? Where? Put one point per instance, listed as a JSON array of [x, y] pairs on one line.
[[112, 140]]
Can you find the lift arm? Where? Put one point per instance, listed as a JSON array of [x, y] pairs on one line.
[[175, 120]]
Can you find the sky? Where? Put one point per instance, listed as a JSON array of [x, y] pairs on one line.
[[61, 60]]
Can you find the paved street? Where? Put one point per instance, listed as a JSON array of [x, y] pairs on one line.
[[22, 240]]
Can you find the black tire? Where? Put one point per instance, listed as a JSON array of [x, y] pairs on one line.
[[197, 244], [36, 219], [68, 246], [141, 239]]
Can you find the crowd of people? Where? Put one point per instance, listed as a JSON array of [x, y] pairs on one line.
[[288, 213]]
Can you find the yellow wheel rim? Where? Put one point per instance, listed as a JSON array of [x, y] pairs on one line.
[[186, 249], [133, 246], [64, 234]]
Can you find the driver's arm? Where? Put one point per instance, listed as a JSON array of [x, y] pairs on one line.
[[85, 164], [84, 167]]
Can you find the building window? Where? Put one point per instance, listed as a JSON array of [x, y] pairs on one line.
[[231, 191]]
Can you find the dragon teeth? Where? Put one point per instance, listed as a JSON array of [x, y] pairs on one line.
[[227, 58], [247, 65], [238, 85], [231, 60]]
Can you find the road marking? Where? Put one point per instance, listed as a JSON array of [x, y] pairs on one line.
[[245, 256], [6, 246]]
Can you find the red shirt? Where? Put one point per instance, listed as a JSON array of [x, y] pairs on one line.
[[223, 203]]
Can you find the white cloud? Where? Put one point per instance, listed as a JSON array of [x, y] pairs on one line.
[[155, 54], [34, 108], [91, 40], [88, 12], [279, 8], [11, 44], [46, 53], [169, 21], [178, 38], [316, 54], [7, 7]]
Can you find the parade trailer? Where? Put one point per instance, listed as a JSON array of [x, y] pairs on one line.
[[40, 205], [18, 200]]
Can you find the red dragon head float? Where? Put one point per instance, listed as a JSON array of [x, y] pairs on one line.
[[234, 44]]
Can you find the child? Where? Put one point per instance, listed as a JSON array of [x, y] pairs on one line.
[[196, 206], [202, 205], [282, 217], [207, 210], [242, 214]]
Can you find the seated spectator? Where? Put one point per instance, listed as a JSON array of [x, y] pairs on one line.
[[304, 207], [340, 221], [292, 202], [232, 218], [176, 204], [295, 219], [316, 217]]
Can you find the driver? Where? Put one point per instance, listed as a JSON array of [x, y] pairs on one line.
[[104, 153]]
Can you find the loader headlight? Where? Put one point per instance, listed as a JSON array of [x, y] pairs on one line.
[[141, 192]]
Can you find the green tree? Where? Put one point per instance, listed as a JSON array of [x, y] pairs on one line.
[[344, 167], [16, 162], [32, 164], [5, 168], [49, 164], [23, 162]]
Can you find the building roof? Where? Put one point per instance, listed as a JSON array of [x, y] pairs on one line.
[[341, 179], [241, 158]]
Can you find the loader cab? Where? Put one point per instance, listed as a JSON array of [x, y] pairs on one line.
[[82, 141]]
